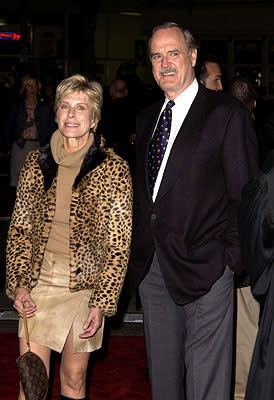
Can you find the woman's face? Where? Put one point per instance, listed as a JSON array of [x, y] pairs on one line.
[[31, 89], [74, 115]]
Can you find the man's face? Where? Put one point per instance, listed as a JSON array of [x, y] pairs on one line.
[[214, 79], [172, 65], [118, 89]]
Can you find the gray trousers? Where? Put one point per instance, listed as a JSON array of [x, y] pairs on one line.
[[189, 348]]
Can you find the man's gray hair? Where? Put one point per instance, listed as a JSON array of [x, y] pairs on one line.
[[189, 38]]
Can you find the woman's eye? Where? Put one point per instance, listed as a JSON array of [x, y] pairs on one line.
[[81, 108], [64, 106]]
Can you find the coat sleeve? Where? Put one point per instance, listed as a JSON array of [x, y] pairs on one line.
[[19, 246], [111, 277], [240, 162]]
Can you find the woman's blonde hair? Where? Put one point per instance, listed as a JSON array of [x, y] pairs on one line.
[[79, 83], [24, 81]]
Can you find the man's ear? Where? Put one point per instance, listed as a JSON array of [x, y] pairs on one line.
[[193, 57]]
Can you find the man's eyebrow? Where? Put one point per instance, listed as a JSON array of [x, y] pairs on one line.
[[169, 51]]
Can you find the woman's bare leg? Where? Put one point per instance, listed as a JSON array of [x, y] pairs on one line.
[[73, 371], [42, 351]]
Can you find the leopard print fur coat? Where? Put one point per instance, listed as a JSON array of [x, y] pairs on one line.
[[100, 225]]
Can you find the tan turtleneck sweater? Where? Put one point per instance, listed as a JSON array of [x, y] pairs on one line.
[[69, 165]]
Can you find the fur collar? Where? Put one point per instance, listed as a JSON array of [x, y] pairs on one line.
[[49, 167]]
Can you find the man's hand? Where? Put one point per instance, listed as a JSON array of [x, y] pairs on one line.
[[23, 301], [93, 322]]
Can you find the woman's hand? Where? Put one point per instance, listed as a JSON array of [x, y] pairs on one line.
[[93, 322], [23, 301]]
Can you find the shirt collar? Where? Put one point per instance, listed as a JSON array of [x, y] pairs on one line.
[[187, 96]]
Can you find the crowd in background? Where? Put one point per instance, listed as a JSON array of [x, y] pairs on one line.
[[123, 98]]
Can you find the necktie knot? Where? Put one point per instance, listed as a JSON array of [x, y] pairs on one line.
[[169, 105]]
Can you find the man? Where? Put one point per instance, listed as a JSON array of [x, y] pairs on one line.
[[210, 74], [118, 118], [248, 308], [118, 89], [185, 240], [242, 89]]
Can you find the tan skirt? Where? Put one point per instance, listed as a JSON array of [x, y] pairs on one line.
[[58, 309]]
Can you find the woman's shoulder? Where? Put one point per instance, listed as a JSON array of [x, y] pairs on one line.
[[116, 165], [33, 156], [31, 169], [113, 157]]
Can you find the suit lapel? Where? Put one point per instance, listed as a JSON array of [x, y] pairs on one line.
[[185, 143]]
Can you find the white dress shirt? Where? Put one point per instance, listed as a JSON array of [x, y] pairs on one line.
[[179, 112]]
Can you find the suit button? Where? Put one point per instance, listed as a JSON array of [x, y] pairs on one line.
[[78, 245], [78, 271], [79, 214], [153, 217]]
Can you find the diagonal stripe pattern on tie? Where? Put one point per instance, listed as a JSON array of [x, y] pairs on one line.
[[158, 144]]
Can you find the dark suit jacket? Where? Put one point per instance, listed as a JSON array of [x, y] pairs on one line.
[[192, 224]]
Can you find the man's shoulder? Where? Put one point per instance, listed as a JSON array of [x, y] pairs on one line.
[[220, 100]]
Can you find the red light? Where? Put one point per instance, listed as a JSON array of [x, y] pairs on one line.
[[10, 36]]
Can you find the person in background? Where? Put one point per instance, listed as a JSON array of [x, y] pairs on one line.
[[256, 224], [118, 89], [210, 73], [118, 119], [242, 89], [29, 125], [248, 308], [69, 237], [196, 149]]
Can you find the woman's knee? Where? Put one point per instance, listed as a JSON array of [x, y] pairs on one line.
[[73, 378]]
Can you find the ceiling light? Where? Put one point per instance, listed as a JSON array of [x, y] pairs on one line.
[[131, 13], [3, 22]]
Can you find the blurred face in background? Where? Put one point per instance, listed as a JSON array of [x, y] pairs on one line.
[[214, 79], [118, 89], [31, 88]]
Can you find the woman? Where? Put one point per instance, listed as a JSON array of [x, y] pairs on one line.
[[69, 237], [29, 125]]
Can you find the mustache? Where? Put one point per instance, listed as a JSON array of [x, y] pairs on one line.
[[167, 70]]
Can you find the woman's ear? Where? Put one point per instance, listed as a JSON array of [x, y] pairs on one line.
[[94, 125]]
